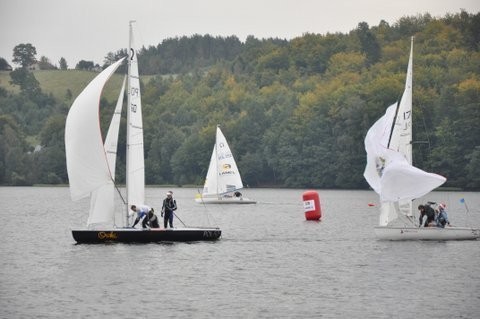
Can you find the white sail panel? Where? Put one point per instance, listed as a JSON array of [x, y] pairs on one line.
[[388, 172], [376, 142], [401, 139], [87, 166], [210, 187], [111, 140], [388, 213], [402, 181], [102, 200], [102, 205], [135, 152], [229, 178]]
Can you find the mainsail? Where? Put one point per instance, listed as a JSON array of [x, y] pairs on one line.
[[135, 156]]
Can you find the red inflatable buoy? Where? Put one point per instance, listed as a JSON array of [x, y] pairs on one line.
[[311, 205]]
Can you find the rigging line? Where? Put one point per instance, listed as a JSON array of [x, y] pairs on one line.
[[123, 200], [205, 206], [179, 219], [394, 122], [118, 190]]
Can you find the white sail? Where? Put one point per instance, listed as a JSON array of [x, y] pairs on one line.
[[223, 176], [87, 165], [210, 186], [102, 200], [401, 138], [111, 140], [135, 154], [389, 170]]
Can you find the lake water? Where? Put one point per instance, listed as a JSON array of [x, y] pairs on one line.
[[269, 263]]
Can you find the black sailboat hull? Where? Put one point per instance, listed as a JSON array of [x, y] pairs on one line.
[[131, 235]]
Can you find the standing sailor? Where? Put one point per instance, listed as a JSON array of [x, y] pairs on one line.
[[169, 205]]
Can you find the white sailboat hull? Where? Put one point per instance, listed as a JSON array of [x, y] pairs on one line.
[[223, 200], [426, 233]]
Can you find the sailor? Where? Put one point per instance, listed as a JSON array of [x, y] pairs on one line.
[[426, 210], [169, 205], [151, 220], [142, 211], [442, 217]]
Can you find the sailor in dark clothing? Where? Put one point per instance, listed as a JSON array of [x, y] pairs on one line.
[[150, 220], [426, 210], [169, 205]]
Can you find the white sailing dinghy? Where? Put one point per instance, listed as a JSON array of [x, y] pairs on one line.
[[223, 182], [389, 171], [91, 164]]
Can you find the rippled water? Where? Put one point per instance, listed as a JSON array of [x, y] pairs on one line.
[[269, 263]]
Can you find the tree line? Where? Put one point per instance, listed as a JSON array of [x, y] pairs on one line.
[[295, 112]]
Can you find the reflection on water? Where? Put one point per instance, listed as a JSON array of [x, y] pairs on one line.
[[269, 263]]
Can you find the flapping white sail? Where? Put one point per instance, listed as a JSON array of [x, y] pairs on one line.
[[389, 170]]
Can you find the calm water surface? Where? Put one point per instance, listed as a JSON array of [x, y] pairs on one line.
[[269, 263]]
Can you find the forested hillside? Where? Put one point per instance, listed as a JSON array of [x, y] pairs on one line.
[[294, 112]]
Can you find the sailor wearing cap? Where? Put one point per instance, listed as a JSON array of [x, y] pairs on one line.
[[169, 205]]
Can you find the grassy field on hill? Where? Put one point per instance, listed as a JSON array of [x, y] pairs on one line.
[[58, 82]]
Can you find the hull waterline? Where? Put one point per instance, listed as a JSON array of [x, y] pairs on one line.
[[132, 235], [216, 200], [426, 233]]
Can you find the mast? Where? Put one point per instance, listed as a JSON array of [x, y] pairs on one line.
[[216, 158], [135, 151], [129, 90]]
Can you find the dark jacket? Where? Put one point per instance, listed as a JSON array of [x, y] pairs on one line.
[[169, 205], [426, 210]]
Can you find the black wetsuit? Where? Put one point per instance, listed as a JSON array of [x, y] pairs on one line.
[[151, 220], [169, 205], [427, 210]]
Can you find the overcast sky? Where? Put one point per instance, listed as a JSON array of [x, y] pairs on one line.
[[89, 29]]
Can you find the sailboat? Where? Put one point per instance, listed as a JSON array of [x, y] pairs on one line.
[[389, 171], [91, 164], [223, 182]]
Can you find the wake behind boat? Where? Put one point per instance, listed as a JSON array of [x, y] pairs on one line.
[[389, 171], [223, 182], [91, 164]]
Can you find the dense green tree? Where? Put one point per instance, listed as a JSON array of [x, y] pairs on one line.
[[295, 112], [63, 63], [24, 55], [85, 65], [368, 42], [26, 80], [45, 64]]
